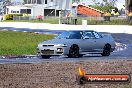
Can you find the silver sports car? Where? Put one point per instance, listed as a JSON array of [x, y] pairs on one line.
[[76, 44]]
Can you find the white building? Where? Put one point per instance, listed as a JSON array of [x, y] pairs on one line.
[[40, 7]]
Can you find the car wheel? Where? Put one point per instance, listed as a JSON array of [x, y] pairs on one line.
[[80, 55], [45, 56], [74, 51], [106, 51]]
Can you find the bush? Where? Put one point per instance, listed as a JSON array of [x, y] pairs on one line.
[[112, 22], [10, 16], [103, 8]]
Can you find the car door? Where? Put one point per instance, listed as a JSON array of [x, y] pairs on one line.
[[99, 42], [89, 41]]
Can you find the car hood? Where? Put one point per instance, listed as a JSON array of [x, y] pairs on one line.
[[57, 41]]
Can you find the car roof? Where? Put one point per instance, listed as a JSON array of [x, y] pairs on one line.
[[80, 31]]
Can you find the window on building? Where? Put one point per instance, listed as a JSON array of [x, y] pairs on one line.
[[45, 1], [28, 11], [11, 11], [39, 2], [29, 2], [52, 0], [33, 1], [22, 11], [14, 11], [7, 10], [25, 1]]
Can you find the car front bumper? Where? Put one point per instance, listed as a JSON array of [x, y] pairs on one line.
[[53, 51], [112, 49]]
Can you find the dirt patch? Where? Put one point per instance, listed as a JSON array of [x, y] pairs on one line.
[[60, 74]]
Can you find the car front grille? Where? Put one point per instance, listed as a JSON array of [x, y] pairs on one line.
[[47, 52], [47, 45]]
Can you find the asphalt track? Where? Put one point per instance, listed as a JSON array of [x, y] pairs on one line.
[[123, 52]]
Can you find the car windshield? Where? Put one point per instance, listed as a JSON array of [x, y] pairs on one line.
[[70, 35]]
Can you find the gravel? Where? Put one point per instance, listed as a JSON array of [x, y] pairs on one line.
[[60, 74]]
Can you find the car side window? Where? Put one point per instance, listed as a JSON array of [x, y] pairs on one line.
[[97, 35], [75, 35], [88, 35]]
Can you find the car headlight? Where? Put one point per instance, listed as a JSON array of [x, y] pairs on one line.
[[62, 45], [59, 49]]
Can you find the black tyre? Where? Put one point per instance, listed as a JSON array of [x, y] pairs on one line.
[[74, 51], [106, 51], [80, 55], [45, 56]]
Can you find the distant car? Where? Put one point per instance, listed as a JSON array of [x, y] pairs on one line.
[[76, 44]]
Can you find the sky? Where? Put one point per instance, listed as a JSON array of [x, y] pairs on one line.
[[88, 1]]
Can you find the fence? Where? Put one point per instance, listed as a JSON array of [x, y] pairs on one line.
[[24, 18], [49, 17], [65, 20], [32, 17]]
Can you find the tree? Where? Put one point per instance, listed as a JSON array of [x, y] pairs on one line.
[[103, 8], [110, 2], [96, 3], [3, 5]]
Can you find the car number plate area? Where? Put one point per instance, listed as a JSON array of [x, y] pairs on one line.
[[47, 52]]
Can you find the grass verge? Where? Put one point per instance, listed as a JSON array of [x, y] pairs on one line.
[[46, 20], [18, 43], [91, 21]]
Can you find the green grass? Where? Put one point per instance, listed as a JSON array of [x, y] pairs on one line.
[[18, 43], [52, 20], [127, 86], [91, 21], [96, 21]]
